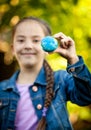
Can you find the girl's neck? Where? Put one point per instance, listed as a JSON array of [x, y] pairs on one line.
[[28, 76]]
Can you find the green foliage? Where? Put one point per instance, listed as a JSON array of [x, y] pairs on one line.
[[71, 17]]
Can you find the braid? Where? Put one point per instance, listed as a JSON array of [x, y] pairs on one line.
[[50, 82], [49, 94]]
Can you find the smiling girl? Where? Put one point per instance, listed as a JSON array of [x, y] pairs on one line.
[[35, 97]]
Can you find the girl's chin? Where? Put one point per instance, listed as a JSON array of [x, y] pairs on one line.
[[30, 64]]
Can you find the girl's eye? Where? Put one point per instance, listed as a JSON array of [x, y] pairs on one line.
[[20, 40], [36, 40]]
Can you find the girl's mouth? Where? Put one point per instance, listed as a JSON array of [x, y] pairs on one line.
[[30, 53]]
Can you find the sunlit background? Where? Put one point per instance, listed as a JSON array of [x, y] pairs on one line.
[[72, 17]]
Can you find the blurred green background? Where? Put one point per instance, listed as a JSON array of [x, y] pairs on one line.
[[72, 17]]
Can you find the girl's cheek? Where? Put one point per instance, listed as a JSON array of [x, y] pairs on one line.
[[38, 47]]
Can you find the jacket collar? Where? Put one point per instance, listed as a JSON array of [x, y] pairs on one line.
[[41, 78], [11, 83]]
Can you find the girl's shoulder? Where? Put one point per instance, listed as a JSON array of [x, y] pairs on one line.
[[61, 74], [3, 83]]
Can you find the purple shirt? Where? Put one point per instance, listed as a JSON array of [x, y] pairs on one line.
[[26, 118]]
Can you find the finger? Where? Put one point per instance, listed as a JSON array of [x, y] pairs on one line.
[[70, 40], [63, 43], [59, 35], [67, 41]]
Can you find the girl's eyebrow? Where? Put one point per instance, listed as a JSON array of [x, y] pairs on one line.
[[34, 36], [20, 36]]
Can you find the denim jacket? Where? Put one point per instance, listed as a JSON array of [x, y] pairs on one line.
[[72, 85]]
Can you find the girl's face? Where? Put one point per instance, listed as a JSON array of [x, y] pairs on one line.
[[27, 44]]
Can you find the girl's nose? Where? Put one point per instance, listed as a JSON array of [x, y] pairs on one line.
[[28, 44]]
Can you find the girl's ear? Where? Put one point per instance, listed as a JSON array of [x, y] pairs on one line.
[[12, 49]]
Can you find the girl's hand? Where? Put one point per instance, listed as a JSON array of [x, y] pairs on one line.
[[66, 48]]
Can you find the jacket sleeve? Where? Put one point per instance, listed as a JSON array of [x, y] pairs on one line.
[[79, 83]]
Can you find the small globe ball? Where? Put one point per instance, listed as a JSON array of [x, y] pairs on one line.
[[49, 44]]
